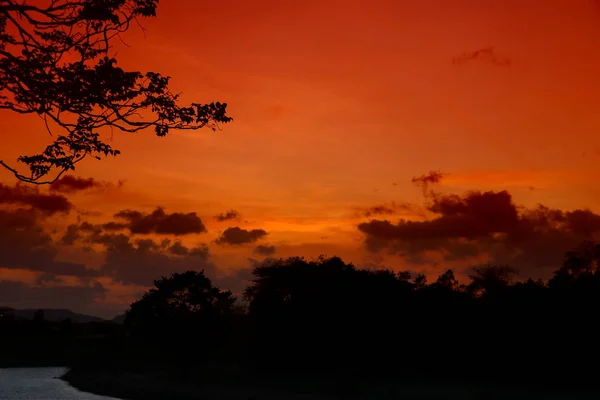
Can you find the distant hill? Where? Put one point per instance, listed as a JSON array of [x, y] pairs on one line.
[[5, 311], [119, 319], [57, 315]]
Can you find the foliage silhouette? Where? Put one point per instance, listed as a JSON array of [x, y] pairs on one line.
[[490, 280], [55, 63], [328, 315], [38, 316], [184, 312], [327, 320]]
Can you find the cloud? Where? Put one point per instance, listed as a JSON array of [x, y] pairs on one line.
[[74, 231], [424, 181], [141, 261], [386, 209], [236, 280], [25, 245], [45, 278], [48, 204], [265, 250], [238, 236], [160, 222], [72, 184], [114, 226], [486, 224], [79, 298], [71, 235], [379, 210], [178, 249], [487, 55], [229, 215], [88, 227]]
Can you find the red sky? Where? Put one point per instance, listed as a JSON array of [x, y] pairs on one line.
[[336, 106]]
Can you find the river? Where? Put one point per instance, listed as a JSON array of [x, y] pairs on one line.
[[39, 384]]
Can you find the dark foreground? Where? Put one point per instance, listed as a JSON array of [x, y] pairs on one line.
[[159, 385], [325, 329], [115, 366]]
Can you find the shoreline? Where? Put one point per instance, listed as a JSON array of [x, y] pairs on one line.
[[231, 381], [158, 385], [128, 386]]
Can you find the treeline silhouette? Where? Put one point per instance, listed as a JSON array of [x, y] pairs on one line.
[[325, 318], [40, 342]]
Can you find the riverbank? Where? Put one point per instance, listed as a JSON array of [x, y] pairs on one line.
[[129, 385], [120, 367], [160, 385], [131, 370]]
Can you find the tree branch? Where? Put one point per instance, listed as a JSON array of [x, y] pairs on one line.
[[88, 94]]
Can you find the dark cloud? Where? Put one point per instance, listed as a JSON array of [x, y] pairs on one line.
[[424, 181], [87, 227], [236, 280], [265, 250], [487, 55], [254, 263], [141, 261], [114, 226], [45, 278], [178, 249], [160, 222], [80, 298], [238, 236], [229, 215], [379, 210], [485, 224], [110, 240], [71, 235], [24, 244], [72, 184], [88, 230], [31, 196], [386, 209], [584, 222], [428, 178]]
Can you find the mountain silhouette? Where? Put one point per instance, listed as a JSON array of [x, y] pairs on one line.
[[57, 315], [119, 319]]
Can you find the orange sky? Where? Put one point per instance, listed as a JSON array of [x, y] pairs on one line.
[[334, 102]]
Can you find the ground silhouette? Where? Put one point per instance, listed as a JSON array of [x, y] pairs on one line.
[[328, 321]]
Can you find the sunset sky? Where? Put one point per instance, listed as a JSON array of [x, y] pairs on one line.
[[337, 105]]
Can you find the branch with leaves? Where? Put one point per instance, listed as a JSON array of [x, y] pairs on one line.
[[55, 62]]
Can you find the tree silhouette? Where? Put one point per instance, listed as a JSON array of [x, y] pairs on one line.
[[490, 280], [185, 304], [327, 319], [38, 316], [420, 281], [446, 281], [55, 62], [325, 310], [580, 265]]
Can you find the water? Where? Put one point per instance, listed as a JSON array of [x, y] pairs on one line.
[[40, 384]]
